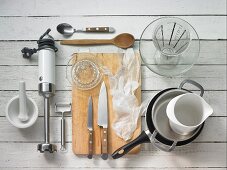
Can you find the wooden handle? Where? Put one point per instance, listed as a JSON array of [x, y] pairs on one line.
[[86, 42], [98, 29], [104, 144], [90, 144]]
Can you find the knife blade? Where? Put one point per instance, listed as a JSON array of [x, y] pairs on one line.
[[90, 128], [103, 120]]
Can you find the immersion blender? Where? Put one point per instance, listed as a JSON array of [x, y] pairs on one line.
[[46, 86]]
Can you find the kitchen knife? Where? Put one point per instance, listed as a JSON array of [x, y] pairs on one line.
[[103, 120], [90, 128]]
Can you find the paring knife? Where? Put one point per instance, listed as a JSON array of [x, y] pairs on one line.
[[103, 120], [90, 128]]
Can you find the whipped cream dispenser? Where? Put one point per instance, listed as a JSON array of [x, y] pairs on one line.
[[46, 81]]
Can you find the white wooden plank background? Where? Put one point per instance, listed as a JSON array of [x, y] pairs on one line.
[[22, 22], [208, 27], [211, 52], [117, 7]]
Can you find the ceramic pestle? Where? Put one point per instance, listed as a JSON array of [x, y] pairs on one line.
[[23, 113]]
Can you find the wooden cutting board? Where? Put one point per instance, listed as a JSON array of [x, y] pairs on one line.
[[80, 133]]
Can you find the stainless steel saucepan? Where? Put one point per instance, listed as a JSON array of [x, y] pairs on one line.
[[159, 132]]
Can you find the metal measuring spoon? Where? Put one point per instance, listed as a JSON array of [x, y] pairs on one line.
[[68, 30]]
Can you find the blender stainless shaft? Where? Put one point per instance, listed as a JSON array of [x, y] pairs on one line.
[[47, 90], [46, 120]]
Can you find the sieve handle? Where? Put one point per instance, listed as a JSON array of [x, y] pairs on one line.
[[160, 145], [193, 83]]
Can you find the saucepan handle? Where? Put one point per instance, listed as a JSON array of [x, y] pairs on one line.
[[142, 138], [161, 146], [193, 83]]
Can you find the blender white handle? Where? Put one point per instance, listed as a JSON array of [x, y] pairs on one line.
[[193, 83], [47, 66], [23, 114]]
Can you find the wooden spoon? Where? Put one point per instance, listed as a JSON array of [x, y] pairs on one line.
[[124, 40]]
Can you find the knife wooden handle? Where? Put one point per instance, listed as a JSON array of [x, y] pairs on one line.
[[99, 29], [104, 144], [90, 144]]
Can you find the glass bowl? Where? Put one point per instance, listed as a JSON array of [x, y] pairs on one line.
[[83, 72], [169, 46]]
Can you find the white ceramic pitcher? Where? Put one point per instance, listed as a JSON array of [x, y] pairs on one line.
[[186, 112]]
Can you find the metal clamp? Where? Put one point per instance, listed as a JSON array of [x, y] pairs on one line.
[[158, 144], [193, 83]]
